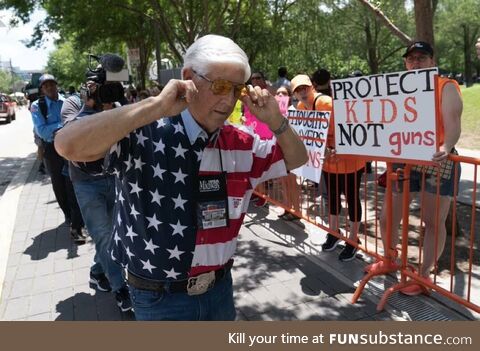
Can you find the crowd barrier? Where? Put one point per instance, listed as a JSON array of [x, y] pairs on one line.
[[456, 274]]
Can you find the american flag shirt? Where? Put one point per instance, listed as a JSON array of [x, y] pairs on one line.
[[155, 228]]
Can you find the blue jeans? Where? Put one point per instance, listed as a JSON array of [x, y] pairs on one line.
[[214, 305], [96, 199]]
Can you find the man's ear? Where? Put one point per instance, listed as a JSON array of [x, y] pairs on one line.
[[187, 73]]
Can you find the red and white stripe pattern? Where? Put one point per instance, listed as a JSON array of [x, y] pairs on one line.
[[248, 161]]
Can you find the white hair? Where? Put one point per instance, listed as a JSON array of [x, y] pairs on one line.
[[211, 49]]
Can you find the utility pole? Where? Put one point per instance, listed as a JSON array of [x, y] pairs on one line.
[[11, 76]]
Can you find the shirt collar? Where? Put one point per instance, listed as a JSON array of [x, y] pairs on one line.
[[49, 101], [194, 131]]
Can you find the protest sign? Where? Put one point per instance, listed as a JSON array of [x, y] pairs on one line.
[[312, 127], [257, 126], [283, 102], [387, 116]]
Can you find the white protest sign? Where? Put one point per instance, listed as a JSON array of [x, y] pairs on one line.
[[312, 127], [387, 116]]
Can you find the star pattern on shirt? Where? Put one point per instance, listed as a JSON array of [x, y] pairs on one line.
[[138, 163], [141, 139], [130, 233], [116, 238], [179, 150], [128, 163], [120, 197], [178, 228], [159, 146], [153, 221], [150, 246], [134, 212], [179, 202], [171, 273], [178, 128], [179, 176], [154, 230], [135, 188], [161, 123], [129, 253], [147, 265], [157, 171], [175, 253], [156, 197]]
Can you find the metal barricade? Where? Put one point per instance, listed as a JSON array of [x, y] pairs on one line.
[[456, 272]]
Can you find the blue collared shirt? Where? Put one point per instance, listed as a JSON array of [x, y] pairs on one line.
[[46, 126], [194, 131]]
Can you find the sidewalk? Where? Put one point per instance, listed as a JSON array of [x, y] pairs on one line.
[[278, 275]]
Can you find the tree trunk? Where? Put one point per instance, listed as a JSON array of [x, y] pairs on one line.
[[371, 48], [424, 21], [467, 55]]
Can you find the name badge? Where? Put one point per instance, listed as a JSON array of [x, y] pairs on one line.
[[212, 201]]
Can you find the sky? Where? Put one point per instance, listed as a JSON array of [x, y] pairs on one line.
[[12, 48]]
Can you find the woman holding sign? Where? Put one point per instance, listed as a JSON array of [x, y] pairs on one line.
[[341, 176], [419, 55]]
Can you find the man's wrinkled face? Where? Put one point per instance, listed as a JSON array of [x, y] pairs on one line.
[[211, 110], [49, 89], [418, 59]]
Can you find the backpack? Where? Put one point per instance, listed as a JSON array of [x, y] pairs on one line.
[[42, 105]]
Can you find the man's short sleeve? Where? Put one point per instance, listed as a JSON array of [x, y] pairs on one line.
[[70, 108], [268, 161], [119, 159]]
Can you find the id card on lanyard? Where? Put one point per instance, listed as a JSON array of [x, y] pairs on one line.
[[212, 201]]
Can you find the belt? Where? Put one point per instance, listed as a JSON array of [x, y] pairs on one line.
[[182, 286]]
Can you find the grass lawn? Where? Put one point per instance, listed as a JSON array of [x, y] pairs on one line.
[[470, 138]]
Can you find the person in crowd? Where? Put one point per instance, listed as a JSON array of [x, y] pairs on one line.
[[290, 188], [95, 192], [258, 80], [184, 180], [143, 94], [341, 175], [321, 81], [282, 80], [46, 121], [420, 55]]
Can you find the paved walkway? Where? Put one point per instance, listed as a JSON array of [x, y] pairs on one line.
[[278, 275]]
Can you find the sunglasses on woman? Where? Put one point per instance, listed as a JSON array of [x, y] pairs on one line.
[[223, 86]]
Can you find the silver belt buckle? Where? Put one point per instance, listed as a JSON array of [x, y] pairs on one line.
[[201, 283]]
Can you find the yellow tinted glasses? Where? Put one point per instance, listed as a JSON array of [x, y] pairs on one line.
[[223, 86]]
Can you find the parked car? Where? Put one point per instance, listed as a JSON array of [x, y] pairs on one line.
[[7, 108]]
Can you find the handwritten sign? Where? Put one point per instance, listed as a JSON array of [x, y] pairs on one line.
[[387, 116], [312, 127]]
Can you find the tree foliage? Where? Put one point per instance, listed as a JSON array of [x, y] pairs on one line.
[[303, 35]]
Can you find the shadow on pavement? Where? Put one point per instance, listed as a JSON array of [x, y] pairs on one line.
[[50, 241], [87, 307]]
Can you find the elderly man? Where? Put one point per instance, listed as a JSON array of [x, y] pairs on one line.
[[46, 120], [184, 180], [419, 55]]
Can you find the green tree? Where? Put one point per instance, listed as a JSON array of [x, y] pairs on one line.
[[8, 81], [458, 27]]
